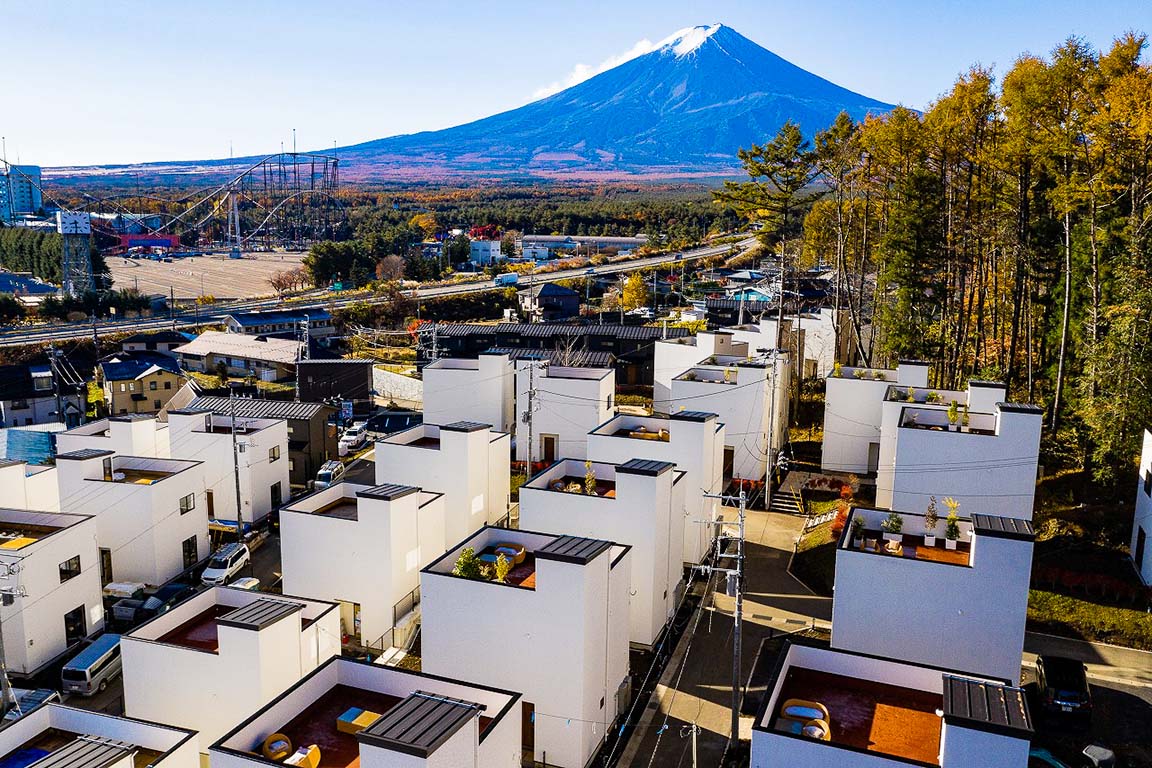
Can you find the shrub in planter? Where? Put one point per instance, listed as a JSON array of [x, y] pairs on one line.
[[836, 370], [952, 525], [857, 531], [931, 520], [893, 526], [953, 416]]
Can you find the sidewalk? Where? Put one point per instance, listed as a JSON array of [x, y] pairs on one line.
[[696, 686]]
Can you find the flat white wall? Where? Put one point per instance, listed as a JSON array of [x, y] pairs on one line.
[[551, 643], [131, 437], [471, 469], [480, 390], [640, 516], [852, 418], [744, 407], [570, 403], [141, 524], [33, 625], [257, 468], [1142, 520], [965, 618], [773, 750], [697, 449], [373, 561], [23, 486], [960, 747], [990, 474]]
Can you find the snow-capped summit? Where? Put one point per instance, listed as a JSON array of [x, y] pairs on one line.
[[687, 40]]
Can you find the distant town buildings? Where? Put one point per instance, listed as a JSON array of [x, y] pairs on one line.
[[20, 192]]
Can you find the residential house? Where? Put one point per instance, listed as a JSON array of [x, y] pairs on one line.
[[964, 607], [1142, 520], [136, 434], [161, 342], [375, 716], [556, 630], [284, 323], [260, 460], [631, 346], [674, 356], [817, 339], [216, 658], [853, 413], [694, 442], [725, 312], [881, 712], [750, 397], [35, 394], [55, 736], [312, 434], [481, 389], [548, 302], [52, 561], [265, 357], [988, 464], [321, 381], [363, 547], [466, 461], [565, 403], [485, 252], [639, 503], [150, 518], [138, 382]]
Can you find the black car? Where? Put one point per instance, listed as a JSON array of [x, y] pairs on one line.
[[163, 599], [1063, 688]]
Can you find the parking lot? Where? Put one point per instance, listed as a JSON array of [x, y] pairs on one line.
[[192, 276]]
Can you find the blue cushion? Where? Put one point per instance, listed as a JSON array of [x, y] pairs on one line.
[[804, 713]]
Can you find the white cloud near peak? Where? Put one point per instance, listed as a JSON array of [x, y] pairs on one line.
[[582, 72]]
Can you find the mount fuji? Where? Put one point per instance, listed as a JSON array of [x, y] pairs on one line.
[[681, 110]]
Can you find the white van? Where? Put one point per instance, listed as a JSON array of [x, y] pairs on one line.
[[330, 473], [92, 668]]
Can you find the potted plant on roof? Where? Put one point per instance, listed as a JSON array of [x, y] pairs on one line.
[[953, 416], [857, 532], [893, 527], [964, 419], [952, 524], [931, 520], [911, 394], [836, 370], [589, 479]]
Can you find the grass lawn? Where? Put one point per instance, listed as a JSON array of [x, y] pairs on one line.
[[815, 559], [1073, 617]]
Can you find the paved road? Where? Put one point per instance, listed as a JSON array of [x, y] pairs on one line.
[[16, 335]]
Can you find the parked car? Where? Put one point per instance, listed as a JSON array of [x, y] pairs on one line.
[[125, 611], [355, 437], [247, 582], [389, 422], [91, 669], [331, 472], [1063, 688], [225, 564], [164, 598]]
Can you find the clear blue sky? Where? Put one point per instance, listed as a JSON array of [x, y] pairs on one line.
[[124, 81]]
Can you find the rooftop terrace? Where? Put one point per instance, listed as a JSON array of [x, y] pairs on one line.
[[342, 501], [20, 528], [911, 543], [64, 749]]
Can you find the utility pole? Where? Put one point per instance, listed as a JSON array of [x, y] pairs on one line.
[[692, 730], [236, 467], [527, 416], [735, 578]]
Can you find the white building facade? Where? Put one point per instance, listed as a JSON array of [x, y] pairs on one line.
[[853, 409], [150, 518], [467, 461], [52, 559], [639, 503], [556, 631], [1142, 520], [363, 547], [460, 389], [567, 404], [218, 657], [694, 442]]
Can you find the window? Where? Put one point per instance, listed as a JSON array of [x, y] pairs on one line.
[[152, 385], [291, 464], [75, 626], [19, 405], [69, 569], [41, 383], [123, 387], [273, 453], [277, 495], [106, 566], [188, 503], [167, 385], [1148, 482], [210, 502], [191, 551], [157, 405]]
